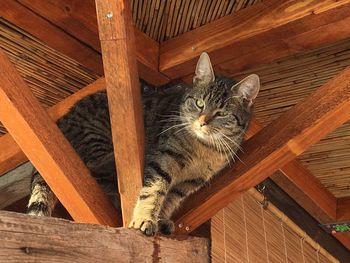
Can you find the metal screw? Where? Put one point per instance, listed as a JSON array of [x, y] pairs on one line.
[[181, 225], [109, 15], [187, 228]]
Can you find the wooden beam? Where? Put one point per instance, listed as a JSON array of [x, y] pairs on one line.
[[343, 209], [308, 223], [41, 239], [258, 34], [303, 186], [49, 151], [75, 22], [123, 91], [13, 156], [272, 148]]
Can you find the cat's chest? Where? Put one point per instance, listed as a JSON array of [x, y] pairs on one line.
[[205, 163]]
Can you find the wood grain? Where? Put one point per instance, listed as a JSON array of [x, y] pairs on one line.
[[78, 18], [49, 151], [300, 184], [125, 107], [13, 156], [258, 34], [272, 148], [343, 209], [21, 238]]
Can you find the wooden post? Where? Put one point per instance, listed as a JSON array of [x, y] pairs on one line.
[[25, 238], [49, 151], [123, 90]]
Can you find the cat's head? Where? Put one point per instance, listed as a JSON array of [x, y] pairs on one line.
[[216, 109]]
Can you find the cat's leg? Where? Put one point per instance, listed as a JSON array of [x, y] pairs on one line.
[[176, 195], [152, 195], [42, 200]]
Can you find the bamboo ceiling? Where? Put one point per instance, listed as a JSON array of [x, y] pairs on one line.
[[288, 81], [164, 19]]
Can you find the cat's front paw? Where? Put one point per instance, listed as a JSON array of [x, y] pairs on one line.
[[148, 227], [166, 226]]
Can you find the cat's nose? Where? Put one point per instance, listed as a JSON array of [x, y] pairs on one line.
[[202, 120]]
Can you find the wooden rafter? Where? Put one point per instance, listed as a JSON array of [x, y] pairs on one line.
[[272, 148], [258, 34], [71, 28], [119, 61], [49, 151], [303, 186], [343, 209]]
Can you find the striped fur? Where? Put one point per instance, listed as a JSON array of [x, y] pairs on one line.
[[187, 143]]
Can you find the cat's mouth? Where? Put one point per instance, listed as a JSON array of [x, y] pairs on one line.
[[202, 131]]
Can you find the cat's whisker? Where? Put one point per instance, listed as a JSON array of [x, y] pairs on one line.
[[173, 127], [228, 138], [232, 151]]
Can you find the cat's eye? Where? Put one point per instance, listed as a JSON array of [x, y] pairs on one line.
[[200, 103]]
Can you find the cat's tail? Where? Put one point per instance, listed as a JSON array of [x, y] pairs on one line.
[[42, 200]]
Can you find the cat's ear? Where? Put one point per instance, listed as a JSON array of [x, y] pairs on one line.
[[204, 71], [248, 88]]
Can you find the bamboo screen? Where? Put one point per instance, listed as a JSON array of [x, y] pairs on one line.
[[246, 232]]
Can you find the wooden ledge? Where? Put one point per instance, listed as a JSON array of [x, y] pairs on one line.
[[28, 238]]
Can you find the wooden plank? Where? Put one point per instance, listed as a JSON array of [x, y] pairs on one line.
[[13, 156], [49, 151], [258, 34], [343, 209], [125, 107], [15, 185], [272, 148], [77, 18], [308, 223], [300, 184], [21, 238]]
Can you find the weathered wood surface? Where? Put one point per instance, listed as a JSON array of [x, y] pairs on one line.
[[124, 97], [300, 184], [26, 238], [68, 25], [272, 148], [49, 151], [257, 35], [15, 184]]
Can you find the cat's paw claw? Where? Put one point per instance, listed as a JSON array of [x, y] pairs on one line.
[[166, 226], [148, 227]]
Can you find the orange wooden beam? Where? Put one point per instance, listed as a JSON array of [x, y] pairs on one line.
[[123, 91], [302, 186], [343, 209], [49, 151], [272, 148], [257, 35], [71, 28]]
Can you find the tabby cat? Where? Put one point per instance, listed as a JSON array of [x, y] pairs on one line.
[[191, 136]]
